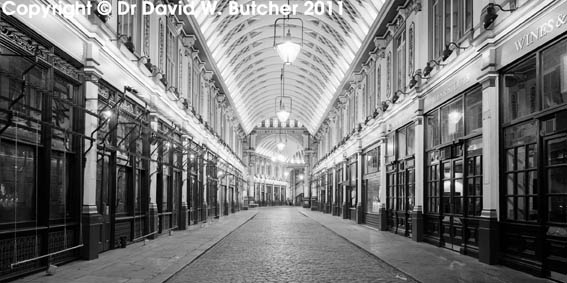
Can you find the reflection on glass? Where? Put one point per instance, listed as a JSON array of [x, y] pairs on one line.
[[558, 209], [520, 184], [519, 96], [555, 75], [510, 208], [557, 180], [531, 156], [510, 184], [510, 156]]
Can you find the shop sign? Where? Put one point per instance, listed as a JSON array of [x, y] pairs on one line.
[[462, 80], [545, 28]]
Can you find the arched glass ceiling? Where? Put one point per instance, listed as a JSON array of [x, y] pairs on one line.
[[242, 47]]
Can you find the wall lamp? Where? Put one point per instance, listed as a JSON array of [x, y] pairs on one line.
[[157, 74], [427, 70], [491, 15], [172, 89], [128, 42], [413, 82], [448, 51], [144, 58], [393, 100]]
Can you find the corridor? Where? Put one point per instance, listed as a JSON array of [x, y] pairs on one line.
[[282, 245]]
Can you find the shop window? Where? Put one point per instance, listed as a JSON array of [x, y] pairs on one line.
[[557, 179], [433, 186], [554, 68], [390, 148], [520, 97], [123, 183], [432, 129], [452, 124], [474, 177], [102, 179], [521, 184], [17, 182], [473, 112], [60, 201], [372, 161]]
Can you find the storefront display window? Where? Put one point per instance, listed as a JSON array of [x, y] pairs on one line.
[[554, 68], [452, 122], [519, 94], [372, 182], [17, 182]]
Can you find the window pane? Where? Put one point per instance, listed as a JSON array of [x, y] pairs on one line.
[[531, 156], [521, 158], [402, 143], [474, 112], [452, 126], [519, 96], [17, 182], [558, 209], [432, 130], [59, 195], [557, 180], [521, 209], [555, 75], [510, 208], [510, 184], [521, 188], [122, 189], [373, 196], [411, 140]]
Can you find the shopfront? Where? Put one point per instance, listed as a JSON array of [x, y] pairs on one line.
[[533, 193], [351, 184], [400, 179], [371, 186], [41, 149], [453, 172]]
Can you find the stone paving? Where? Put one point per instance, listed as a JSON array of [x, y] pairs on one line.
[[153, 261], [424, 262], [282, 245]]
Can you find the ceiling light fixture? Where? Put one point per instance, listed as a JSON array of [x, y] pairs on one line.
[[288, 50]]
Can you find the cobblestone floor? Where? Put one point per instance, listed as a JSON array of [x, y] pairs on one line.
[[283, 245]]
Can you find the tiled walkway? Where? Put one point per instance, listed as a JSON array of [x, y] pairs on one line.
[[154, 261], [424, 262]]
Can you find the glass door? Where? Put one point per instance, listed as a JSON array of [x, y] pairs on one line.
[[556, 197], [452, 203]]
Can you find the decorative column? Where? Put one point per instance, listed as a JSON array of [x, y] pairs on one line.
[[90, 217], [334, 188], [488, 246], [346, 211], [359, 206], [185, 179], [383, 226], [417, 213], [153, 209]]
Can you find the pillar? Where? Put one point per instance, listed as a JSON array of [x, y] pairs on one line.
[[488, 246], [346, 211], [383, 226], [185, 177], [359, 206], [90, 217], [153, 209], [417, 213]]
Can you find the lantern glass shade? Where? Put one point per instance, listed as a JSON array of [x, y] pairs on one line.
[[283, 115], [288, 51]]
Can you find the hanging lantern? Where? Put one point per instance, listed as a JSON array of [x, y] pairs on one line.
[[283, 108], [287, 49]]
